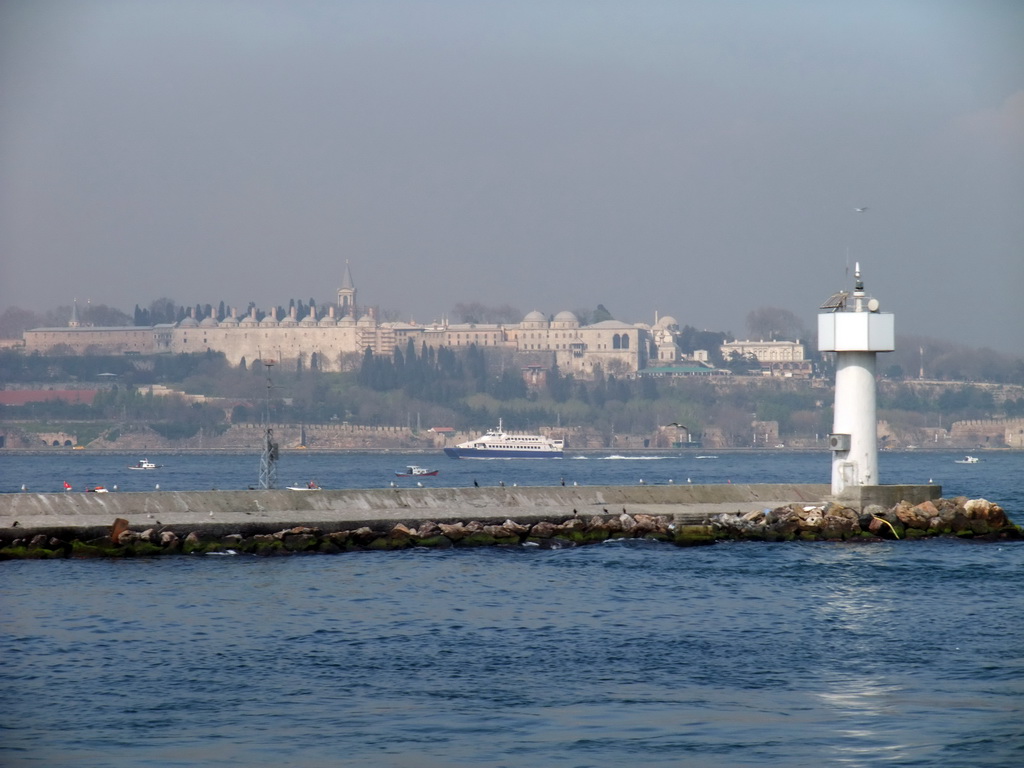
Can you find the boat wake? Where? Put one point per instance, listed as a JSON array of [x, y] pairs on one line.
[[616, 457]]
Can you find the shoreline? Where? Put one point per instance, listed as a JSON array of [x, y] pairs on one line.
[[569, 453]]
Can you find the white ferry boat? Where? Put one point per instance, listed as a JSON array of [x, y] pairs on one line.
[[498, 444]]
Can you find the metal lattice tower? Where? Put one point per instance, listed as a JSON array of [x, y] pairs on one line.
[[268, 458]]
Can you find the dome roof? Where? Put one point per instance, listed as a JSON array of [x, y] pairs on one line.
[[209, 322], [565, 316], [365, 320], [269, 320], [535, 317], [229, 320], [188, 322], [667, 322], [326, 321]]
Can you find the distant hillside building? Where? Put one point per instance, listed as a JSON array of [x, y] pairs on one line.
[[776, 358]]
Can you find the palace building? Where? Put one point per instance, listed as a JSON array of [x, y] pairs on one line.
[[336, 337]]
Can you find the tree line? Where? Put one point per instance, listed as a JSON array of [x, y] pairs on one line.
[[466, 388]]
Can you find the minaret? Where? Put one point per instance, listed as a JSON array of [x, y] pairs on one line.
[[347, 294], [74, 322], [856, 331]]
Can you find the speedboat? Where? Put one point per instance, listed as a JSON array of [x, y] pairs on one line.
[[312, 485], [498, 444], [143, 464], [414, 471], [968, 460]]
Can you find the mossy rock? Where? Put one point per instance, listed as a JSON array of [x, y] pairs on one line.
[[476, 539], [192, 547], [915, 533], [694, 535], [30, 553], [269, 548], [300, 542], [143, 549], [584, 537], [979, 527], [435, 542], [85, 549], [389, 543]]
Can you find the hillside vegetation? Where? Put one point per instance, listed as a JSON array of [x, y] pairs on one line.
[[469, 391]]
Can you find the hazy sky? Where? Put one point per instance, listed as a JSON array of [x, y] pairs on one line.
[[699, 159]]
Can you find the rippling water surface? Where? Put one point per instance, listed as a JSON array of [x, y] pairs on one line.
[[626, 653]]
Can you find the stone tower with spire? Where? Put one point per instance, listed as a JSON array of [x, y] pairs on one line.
[[347, 294]]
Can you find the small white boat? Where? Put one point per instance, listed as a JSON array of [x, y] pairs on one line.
[[968, 460], [144, 464], [312, 485], [414, 471], [705, 457]]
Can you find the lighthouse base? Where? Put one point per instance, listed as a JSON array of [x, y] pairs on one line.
[[860, 496]]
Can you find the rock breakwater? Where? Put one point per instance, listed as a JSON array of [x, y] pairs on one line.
[[961, 517]]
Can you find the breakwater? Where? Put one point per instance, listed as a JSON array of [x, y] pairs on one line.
[[282, 522]]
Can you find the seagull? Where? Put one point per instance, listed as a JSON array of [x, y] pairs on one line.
[[861, 210]]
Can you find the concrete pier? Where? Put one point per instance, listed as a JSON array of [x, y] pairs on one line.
[[91, 514]]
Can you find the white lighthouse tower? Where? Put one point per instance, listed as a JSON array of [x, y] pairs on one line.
[[856, 331]]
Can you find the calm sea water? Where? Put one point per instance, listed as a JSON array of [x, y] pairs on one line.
[[627, 653]]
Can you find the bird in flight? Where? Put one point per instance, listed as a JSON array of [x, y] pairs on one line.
[[861, 210]]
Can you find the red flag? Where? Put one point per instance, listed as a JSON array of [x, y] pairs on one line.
[[67, 486]]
